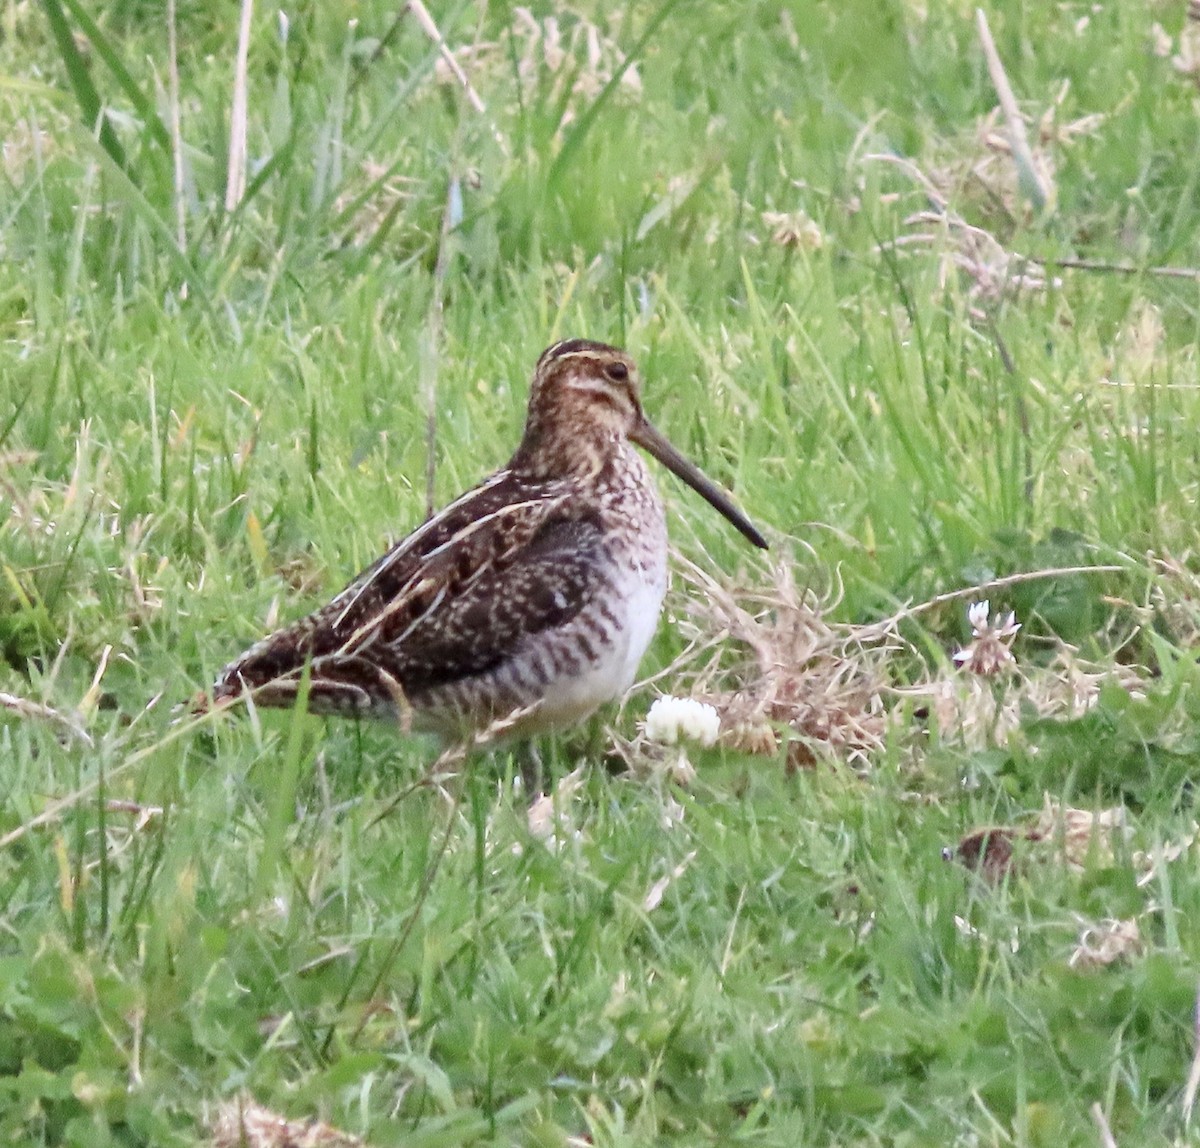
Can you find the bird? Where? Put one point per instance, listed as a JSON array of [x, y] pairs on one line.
[[532, 597]]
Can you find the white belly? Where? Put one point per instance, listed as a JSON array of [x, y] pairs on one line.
[[570, 699]]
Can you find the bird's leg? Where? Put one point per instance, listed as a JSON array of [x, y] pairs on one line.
[[531, 769]]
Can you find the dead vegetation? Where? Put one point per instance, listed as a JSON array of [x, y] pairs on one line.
[[977, 713], [991, 271], [1175, 598], [1064, 835], [785, 678], [1183, 53], [799, 682], [983, 183], [573, 56], [561, 62], [241, 1123]]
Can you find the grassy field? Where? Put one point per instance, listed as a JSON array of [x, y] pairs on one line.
[[927, 368]]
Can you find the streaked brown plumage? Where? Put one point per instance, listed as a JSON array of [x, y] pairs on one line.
[[539, 588]]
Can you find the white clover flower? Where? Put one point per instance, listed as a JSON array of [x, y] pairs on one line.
[[989, 651], [977, 615], [671, 719]]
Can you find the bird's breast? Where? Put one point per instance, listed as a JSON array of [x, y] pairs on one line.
[[608, 641]]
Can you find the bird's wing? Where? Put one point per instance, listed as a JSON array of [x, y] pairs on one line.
[[524, 586], [445, 603]]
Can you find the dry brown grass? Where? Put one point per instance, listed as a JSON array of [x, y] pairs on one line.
[[972, 191], [1063, 835], [1103, 943], [573, 56], [975, 171], [242, 1123], [779, 673], [1066, 836], [1184, 54], [992, 272], [1175, 598], [981, 712], [784, 678]]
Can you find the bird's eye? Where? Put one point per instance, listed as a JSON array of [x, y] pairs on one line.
[[618, 372]]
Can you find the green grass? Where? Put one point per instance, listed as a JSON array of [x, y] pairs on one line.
[[198, 438]]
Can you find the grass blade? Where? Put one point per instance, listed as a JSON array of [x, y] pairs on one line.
[[283, 800], [586, 121], [81, 82], [143, 106], [145, 211]]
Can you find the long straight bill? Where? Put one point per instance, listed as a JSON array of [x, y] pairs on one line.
[[653, 442]]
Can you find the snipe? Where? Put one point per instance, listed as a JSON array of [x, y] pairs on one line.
[[537, 591]]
